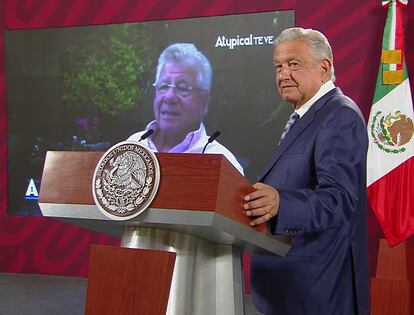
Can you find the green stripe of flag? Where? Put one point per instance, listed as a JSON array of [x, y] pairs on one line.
[[383, 89]]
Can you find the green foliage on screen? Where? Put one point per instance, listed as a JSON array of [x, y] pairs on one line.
[[107, 71]]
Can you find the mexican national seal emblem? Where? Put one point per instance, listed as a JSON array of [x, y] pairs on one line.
[[125, 180], [392, 131]]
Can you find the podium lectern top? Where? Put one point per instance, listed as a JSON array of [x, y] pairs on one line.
[[199, 194]]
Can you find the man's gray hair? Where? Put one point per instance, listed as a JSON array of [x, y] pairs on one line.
[[316, 41], [187, 54]]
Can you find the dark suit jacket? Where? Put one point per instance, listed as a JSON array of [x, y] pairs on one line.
[[319, 170]]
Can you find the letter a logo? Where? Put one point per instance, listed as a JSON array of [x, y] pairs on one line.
[[31, 192]]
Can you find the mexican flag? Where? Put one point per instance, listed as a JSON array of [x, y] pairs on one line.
[[390, 172]]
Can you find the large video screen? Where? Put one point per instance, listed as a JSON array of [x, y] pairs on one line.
[[89, 87]]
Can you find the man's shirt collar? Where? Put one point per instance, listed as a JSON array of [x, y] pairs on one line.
[[189, 141], [325, 88]]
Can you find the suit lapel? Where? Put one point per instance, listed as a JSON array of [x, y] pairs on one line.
[[296, 130]]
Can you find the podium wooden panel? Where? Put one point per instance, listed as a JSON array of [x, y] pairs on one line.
[[188, 182], [128, 281], [392, 290]]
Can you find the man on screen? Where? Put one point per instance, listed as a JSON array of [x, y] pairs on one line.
[[182, 96], [313, 190]]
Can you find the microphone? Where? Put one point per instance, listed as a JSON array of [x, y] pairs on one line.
[[211, 139], [146, 134]]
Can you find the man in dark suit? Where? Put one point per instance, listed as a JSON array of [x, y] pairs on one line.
[[313, 190]]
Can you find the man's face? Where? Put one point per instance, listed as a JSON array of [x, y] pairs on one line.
[[298, 75], [179, 109]]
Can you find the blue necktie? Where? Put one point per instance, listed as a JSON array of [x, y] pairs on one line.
[[292, 119]]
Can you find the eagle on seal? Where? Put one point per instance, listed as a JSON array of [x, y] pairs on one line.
[[128, 171]]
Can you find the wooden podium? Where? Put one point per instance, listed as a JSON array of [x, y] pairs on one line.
[[392, 289], [196, 215]]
